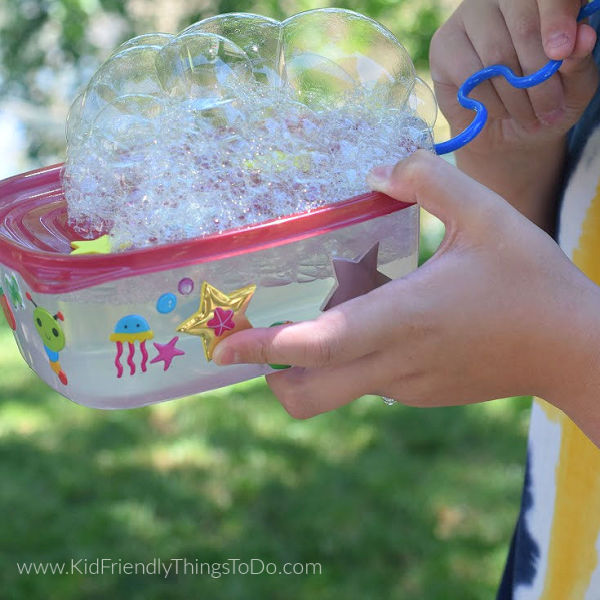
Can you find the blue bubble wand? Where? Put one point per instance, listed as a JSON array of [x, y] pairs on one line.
[[486, 73]]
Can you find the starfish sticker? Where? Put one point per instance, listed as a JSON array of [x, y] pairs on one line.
[[355, 277], [222, 321], [100, 245], [167, 352], [218, 316]]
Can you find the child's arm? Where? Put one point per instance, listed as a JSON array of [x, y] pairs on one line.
[[520, 152], [498, 311]]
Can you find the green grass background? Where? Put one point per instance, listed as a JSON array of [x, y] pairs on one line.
[[395, 502]]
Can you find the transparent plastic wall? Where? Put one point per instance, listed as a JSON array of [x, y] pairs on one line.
[[155, 361]]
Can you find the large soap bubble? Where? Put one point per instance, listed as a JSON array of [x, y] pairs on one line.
[[239, 119]]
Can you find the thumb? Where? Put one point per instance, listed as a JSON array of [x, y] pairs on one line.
[[579, 72], [439, 187], [558, 23]]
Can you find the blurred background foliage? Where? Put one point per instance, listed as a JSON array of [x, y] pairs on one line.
[[394, 502]]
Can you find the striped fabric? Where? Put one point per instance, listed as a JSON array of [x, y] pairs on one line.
[[555, 552]]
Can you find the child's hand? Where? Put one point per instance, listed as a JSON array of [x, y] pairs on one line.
[[520, 152], [498, 311], [522, 34]]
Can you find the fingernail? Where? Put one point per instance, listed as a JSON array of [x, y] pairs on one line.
[[378, 178], [225, 356]]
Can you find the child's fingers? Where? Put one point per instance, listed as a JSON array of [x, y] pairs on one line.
[[494, 45], [305, 393], [448, 73], [523, 22], [579, 73], [343, 333], [559, 26], [371, 322], [441, 189]]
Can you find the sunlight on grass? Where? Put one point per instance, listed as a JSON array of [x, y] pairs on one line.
[[138, 518], [16, 419]]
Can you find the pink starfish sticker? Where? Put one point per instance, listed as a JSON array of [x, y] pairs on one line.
[[222, 321], [167, 352]]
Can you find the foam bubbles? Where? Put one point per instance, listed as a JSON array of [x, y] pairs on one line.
[[189, 135]]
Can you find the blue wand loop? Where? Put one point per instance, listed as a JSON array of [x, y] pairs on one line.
[[486, 73]]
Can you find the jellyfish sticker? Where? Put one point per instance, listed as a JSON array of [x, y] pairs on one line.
[[131, 329], [53, 337]]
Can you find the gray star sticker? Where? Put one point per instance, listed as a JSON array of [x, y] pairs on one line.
[[355, 277]]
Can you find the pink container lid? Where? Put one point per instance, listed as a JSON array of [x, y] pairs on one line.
[[35, 238]]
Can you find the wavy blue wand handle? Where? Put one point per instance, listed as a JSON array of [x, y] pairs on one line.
[[486, 73]]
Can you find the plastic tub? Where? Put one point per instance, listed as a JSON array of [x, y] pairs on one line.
[[105, 330]]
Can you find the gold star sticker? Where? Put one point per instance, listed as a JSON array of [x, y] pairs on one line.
[[100, 245], [218, 316]]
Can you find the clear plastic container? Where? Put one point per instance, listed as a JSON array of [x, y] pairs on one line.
[[68, 311]]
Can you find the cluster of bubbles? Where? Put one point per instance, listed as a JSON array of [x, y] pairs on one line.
[[236, 120]]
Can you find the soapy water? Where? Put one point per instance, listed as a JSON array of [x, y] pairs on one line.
[[190, 135]]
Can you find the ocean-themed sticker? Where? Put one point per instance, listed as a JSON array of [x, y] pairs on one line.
[[13, 291], [167, 352], [166, 303], [52, 335], [218, 316], [131, 329]]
